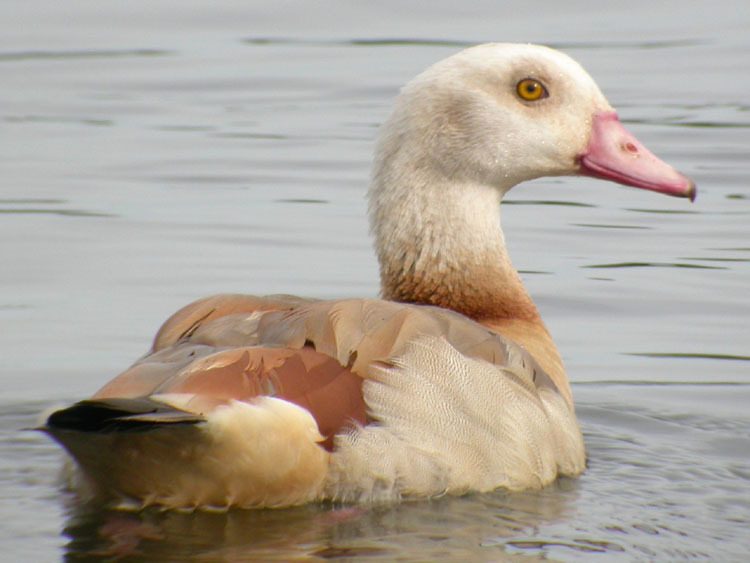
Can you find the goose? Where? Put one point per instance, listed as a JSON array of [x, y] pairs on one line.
[[449, 383]]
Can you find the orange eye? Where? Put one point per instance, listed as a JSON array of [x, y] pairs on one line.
[[531, 90]]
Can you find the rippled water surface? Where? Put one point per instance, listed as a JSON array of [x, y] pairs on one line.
[[156, 152]]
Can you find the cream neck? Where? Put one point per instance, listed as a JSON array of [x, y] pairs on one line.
[[442, 244]]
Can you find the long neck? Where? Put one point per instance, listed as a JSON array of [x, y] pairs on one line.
[[441, 243]]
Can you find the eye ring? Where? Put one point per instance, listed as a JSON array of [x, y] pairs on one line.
[[531, 90]]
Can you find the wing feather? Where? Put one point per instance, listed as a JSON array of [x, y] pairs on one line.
[[312, 353]]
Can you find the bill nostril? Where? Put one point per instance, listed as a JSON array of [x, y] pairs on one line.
[[630, 147]]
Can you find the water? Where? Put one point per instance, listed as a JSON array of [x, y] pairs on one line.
[[153, 153]]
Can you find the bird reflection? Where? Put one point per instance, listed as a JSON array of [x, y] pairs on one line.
[[476, 527]]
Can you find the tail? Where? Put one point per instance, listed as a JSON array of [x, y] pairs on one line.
[[140, 451], [101, 434], [116, 415]]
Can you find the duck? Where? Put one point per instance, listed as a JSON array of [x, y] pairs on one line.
[[449, 383]]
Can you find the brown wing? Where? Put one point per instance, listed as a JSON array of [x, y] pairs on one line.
[[189, 318], [312, 353], [332, 393], [314, 381]]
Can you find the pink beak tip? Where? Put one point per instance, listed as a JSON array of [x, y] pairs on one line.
[[613, 153]]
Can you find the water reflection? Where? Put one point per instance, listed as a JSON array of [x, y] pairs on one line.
[[600, 226], [683, 355], [61, 212], [655, 265], [460, 44], [477, 527], [44, 206], [81, 54], [563, 203]]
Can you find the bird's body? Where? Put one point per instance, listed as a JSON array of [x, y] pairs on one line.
[[450, 383]]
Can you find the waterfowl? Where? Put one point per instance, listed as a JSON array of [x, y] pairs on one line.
[[449, 383]]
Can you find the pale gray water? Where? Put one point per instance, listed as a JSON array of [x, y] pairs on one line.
[[156, 152]]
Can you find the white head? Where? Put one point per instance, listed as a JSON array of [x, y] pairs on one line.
[[499, 114], [462, 134]]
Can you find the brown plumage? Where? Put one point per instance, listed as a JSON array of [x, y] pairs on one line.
[[449, 384], [312, 353]]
